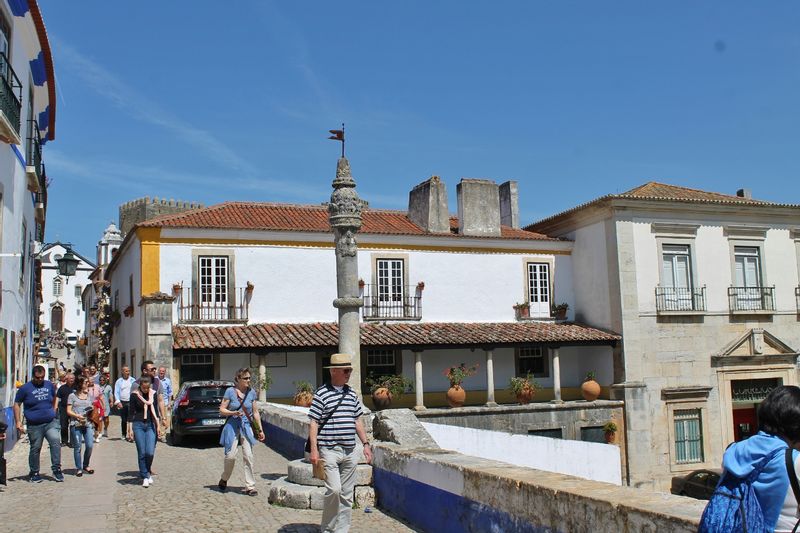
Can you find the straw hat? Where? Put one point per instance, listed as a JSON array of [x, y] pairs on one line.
[[341, 360]]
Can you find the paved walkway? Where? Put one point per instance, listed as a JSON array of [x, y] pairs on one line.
[[184, 497]]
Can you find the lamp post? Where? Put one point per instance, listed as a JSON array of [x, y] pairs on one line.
[[67, 264]]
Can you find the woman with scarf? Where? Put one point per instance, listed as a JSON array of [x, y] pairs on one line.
[[242, 427], [143, 414]]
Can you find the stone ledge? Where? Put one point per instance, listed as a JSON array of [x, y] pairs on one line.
[[301, 473], [288, 494]]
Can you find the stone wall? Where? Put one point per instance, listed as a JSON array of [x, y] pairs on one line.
[[141, 209]]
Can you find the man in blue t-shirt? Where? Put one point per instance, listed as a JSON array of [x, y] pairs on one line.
[[38, 397]]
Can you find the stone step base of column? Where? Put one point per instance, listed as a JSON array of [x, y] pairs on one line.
[[301, 473], [288, 494]]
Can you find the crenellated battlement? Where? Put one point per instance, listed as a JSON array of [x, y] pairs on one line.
[[141, 209]]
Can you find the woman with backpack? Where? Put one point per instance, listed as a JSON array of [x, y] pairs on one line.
[[242, 427], [755, 492]]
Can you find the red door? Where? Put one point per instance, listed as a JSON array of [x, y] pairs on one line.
[[744, 423]]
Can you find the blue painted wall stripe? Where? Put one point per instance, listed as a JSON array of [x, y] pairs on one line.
[[433, 509], [19, 155], [37, 70], [18, 7]]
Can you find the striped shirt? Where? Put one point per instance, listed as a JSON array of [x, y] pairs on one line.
[[340, 429]]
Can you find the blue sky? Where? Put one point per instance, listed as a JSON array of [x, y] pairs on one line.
[[213, 101]]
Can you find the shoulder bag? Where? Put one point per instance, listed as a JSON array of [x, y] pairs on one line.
[[325, 420], [793, 481]]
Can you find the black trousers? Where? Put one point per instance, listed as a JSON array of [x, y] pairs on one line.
[[124, 416], [63, 418]]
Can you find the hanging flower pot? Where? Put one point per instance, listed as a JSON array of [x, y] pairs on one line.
[[590, 389], [456, 396]]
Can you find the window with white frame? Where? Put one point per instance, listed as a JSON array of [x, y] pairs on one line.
[[197, 359], [676, 276], [213, 295], [533, 360], [748, 266], [390, 281], [688, 436], [381, 362], [58, 287], [78, 290], [539, 289]]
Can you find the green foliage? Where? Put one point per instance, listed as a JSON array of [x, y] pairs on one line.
[[255, 380], [610, 427], [457, 374], [590, 376], [396, 384], [303, 386], [517, 385]]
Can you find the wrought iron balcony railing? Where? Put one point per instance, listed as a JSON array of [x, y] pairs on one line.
[[196, 304], [10, 92], [33, 158], [379, 303], [746, 299], [676, 299]]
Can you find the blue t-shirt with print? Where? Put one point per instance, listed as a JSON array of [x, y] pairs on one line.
[[37, 401]]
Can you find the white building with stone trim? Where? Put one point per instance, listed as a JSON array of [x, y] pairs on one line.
[[703, 287], [242, 283], [62, 307]]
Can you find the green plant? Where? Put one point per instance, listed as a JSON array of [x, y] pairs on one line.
[[518, 385], [523, 305], [562, 307], [610, 427], [395, 384], [590, 376], [303, 386], [457, 374], [256, 383]]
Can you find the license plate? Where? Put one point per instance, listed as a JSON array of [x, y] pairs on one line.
[[213, 422]]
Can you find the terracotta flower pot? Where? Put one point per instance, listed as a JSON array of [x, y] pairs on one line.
[[381, 398], [526, 395], [590, 390], [610, 435], [303, 399], [456, 396]]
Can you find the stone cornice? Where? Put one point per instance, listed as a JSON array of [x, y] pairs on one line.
[[695, 392], [746, 231], [674, 229]]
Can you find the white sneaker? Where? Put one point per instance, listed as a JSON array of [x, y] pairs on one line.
[[97, 438], [146, 482], [150, 479]]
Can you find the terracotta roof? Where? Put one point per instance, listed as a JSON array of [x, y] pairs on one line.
[[326, 334], [306, 218], [655, 191]]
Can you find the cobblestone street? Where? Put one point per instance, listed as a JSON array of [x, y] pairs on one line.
[[184, 496]]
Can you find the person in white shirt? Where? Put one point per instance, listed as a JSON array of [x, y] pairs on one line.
[[122, 395], [790, 515]]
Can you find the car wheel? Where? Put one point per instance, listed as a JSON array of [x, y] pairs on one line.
[[174, 438]]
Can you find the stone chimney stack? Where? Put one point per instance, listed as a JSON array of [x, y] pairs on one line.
[[427, 206], [509, 204], [744, 193], [478, 208]]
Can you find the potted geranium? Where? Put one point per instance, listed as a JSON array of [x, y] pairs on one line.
[[456, 395], [304, 393], [590, 389], [610, 430], [523, 388], [385, 388], [522, 310], [560, 311]]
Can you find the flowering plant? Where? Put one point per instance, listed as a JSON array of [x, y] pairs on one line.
[[457, 374]]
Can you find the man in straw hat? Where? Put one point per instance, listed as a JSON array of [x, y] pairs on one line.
[[335, 415]]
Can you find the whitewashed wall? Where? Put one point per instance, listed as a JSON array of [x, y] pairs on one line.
[[74, 315], [300, 366], [588, 460], [298, 284], [130, 333], [590, 274]]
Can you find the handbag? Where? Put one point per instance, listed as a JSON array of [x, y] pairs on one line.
[[325, 420]]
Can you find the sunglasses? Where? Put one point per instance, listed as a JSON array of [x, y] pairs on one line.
[[347, 370], [245, 378]]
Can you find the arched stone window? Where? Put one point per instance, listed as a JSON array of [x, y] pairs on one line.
[[58, 287], [56, 318]]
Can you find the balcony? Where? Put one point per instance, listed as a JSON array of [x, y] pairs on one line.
[[211, 308], [33, 157], [680, 300], [10, 102], [382, 305], [40, 198], [752, 300]]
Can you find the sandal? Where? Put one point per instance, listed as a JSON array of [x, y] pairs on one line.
[[251, 492], [79, 473], [222, 485], [89, 470]]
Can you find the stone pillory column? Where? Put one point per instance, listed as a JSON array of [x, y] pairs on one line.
[[344, 212]]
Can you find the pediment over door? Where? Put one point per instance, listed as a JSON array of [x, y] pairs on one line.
[[757, 346]]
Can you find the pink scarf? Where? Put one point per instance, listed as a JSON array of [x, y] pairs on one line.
[[148, 404]]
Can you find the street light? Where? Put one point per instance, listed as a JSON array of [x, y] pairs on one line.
[[67, 264]]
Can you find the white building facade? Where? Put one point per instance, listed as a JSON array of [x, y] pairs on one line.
[[62, 305], [704, 289], [27, 122], [249, 284]]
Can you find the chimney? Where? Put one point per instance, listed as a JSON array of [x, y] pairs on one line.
[[509, 204], [427, 206], [744, 193], [478, 208]]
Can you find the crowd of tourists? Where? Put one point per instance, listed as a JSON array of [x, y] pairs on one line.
[[74, 412]]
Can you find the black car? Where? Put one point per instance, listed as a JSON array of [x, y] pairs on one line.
[[698, 484], [196, 409]]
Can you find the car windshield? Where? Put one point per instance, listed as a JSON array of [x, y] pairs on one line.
[[208, 393]]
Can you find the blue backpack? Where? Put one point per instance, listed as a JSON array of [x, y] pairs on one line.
[[734, 507]]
